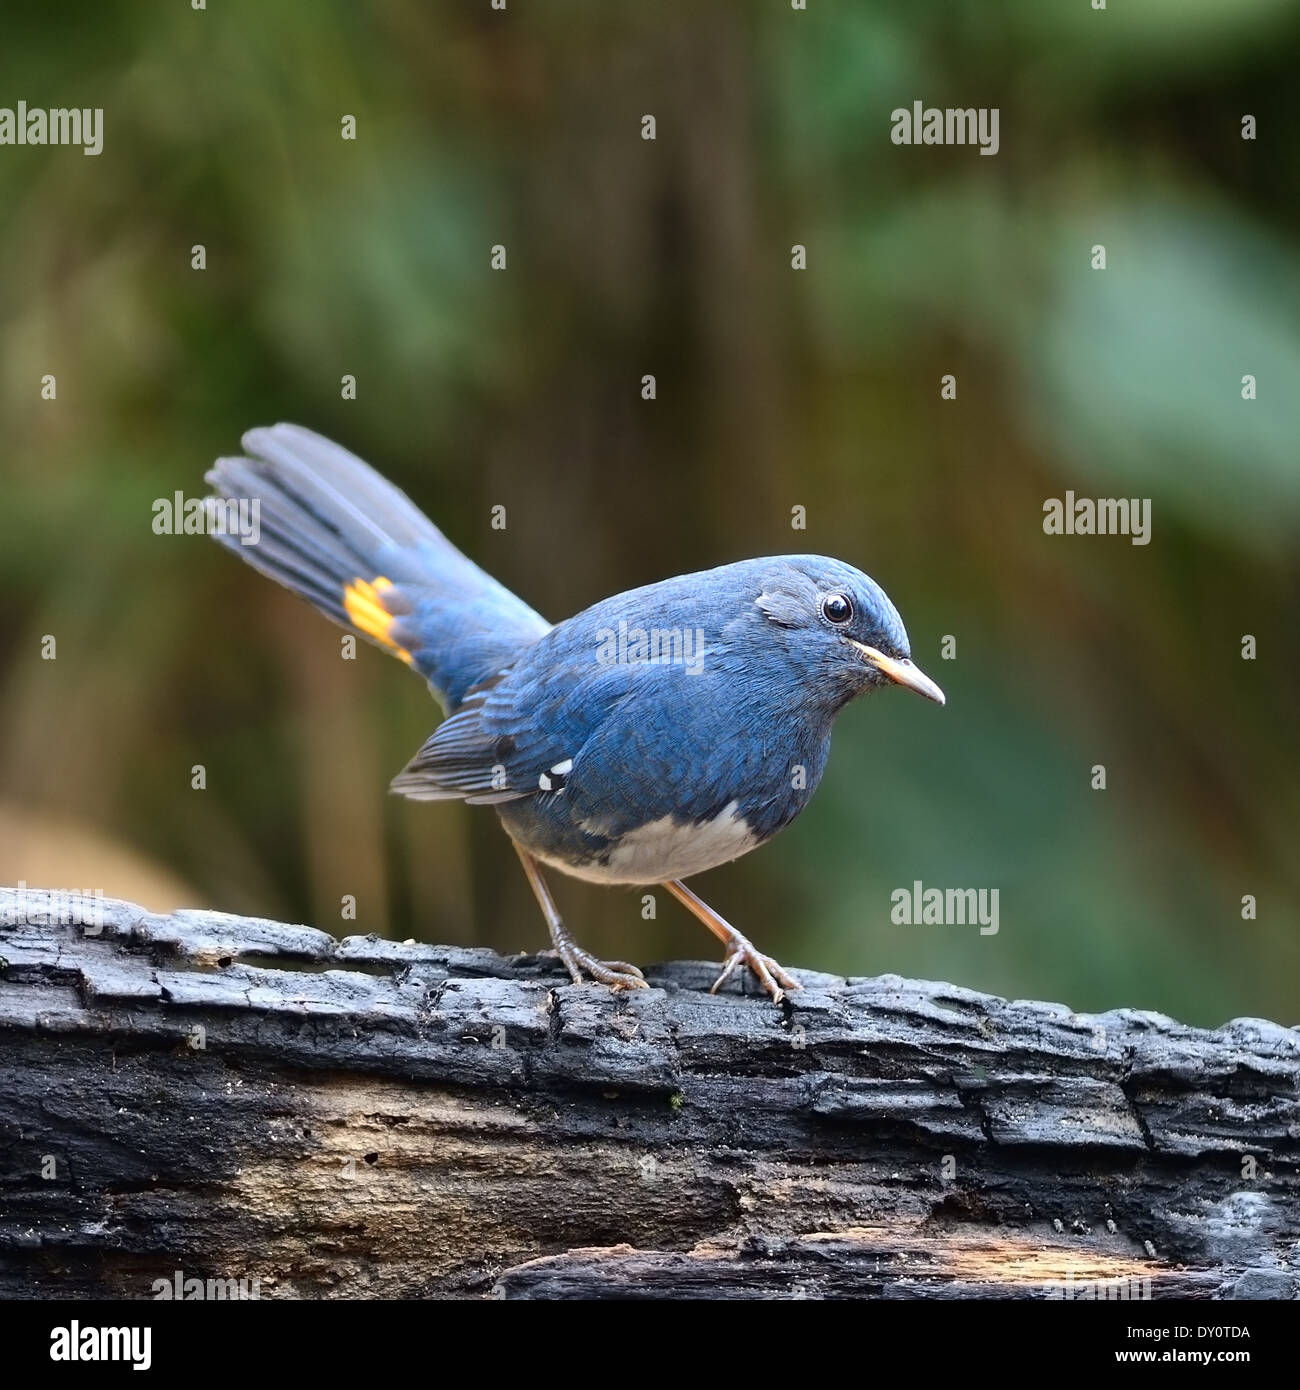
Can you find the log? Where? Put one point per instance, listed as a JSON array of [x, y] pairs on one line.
[[212, 1097]]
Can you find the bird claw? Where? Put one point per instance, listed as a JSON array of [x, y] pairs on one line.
[[769, 973], [617, 974], [614, 974]]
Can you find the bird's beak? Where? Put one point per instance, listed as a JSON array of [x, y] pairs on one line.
[[901, 672]]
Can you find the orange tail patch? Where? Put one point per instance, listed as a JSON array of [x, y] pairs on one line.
[[366, 609]]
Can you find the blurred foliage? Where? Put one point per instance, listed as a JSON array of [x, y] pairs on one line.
[[1123, 127]]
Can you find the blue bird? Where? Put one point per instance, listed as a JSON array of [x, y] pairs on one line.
[[655, 735]]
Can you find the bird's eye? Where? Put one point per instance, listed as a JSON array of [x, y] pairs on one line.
[[836, 608]]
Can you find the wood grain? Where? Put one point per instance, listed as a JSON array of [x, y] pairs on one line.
[[242, 1099]]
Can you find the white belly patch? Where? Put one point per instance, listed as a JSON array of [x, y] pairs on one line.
[[669, 848]]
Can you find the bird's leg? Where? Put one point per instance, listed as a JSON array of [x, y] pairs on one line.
[[617, 974], [739, 950]]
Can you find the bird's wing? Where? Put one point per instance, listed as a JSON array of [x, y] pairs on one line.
[[609, 746], [512, 731]]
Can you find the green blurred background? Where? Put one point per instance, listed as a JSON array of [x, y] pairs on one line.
[[776, 389]]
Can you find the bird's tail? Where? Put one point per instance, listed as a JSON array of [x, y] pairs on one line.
[[327, 526]]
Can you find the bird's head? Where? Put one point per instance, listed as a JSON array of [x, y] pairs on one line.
[[839, 624]]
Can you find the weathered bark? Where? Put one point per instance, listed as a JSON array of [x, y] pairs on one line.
[[239, 1099]]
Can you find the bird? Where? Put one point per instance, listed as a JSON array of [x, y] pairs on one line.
[[653, 736]]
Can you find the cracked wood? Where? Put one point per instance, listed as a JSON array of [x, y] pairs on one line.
[[241, 1099]]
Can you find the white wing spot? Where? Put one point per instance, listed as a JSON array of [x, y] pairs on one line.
[[561, 768]]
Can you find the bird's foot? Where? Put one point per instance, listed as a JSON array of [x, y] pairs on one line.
[[582, 965], [768, 972]]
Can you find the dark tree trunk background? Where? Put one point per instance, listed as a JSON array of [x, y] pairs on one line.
[[238, 1099]]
